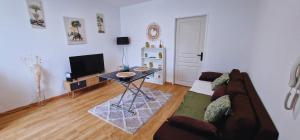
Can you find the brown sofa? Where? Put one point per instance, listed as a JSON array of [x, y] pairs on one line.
[[248, 120]]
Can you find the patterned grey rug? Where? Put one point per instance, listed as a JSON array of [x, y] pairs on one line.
[[126, 121]]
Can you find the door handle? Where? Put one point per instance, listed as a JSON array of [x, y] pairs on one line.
[[201, 56]]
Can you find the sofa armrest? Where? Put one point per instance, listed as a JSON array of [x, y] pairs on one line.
[[209, 76], [196, 126]]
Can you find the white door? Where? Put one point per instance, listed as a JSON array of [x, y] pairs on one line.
[[190, 37]]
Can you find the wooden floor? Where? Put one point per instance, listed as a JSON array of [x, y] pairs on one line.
[[67, 119]]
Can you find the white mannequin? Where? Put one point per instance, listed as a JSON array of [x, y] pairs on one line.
[[38, 77]]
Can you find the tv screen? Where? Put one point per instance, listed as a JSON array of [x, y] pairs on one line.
[[86, 65]]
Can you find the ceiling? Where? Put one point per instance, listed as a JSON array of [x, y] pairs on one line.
[[121, 3]]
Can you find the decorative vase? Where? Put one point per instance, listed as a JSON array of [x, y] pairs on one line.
[[161, 45], [160, 55], [126, 68], [147, 45]]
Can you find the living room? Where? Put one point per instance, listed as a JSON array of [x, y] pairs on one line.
[[257, 37]]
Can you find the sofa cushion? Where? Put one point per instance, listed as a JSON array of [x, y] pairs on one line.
[[217, 109], [241, 123], [219, 92], [196, 126], [209, 76], [235, 74], [193, 105], [203, 87], [219, 81], [235, 87]]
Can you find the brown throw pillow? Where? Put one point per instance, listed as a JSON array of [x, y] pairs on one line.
[[241, 123], [235, 87], [219, 92], [198, 126], [235, 74], [209, 76]]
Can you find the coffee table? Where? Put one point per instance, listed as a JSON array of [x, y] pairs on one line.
[[129, 81]]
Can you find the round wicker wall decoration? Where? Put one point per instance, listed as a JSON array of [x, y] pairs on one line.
[[153, 31]]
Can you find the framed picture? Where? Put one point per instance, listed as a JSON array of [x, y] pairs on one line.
[[153, 31], [75, 30], [36, 12], [100, 23]]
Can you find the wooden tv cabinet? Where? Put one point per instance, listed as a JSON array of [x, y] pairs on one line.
[[82, 83]]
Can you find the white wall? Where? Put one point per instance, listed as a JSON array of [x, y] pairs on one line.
[[275, 49], [229, 37], [18, 39]]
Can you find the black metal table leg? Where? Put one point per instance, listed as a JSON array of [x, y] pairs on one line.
[[144, 94], [119, 102], [136, 94]]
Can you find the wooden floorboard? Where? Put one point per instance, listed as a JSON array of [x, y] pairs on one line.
[[67, 119]]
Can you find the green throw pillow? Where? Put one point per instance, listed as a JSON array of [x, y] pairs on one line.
[[219, 81], [217, 109]]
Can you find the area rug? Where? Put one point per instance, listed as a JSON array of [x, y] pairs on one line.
[[126, 121]]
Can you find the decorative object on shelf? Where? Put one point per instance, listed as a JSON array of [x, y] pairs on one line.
[[38, 77], [153, 32], [161, 45], [160, 55], [36, 12], [75, 30], [152, 46], [150, 64], [146, 55], [147, 45], [100, 23]]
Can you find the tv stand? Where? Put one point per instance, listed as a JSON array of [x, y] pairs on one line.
[[82, 83]]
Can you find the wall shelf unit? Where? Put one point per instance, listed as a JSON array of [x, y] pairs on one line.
[[155, 58]]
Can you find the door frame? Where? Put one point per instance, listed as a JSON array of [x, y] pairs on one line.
[[175, 37]]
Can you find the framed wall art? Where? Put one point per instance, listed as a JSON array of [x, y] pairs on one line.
[[75, 30], [153, 32], [100, 23], [36, 13]]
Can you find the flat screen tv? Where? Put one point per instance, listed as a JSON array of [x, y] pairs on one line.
[[86, 65]]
